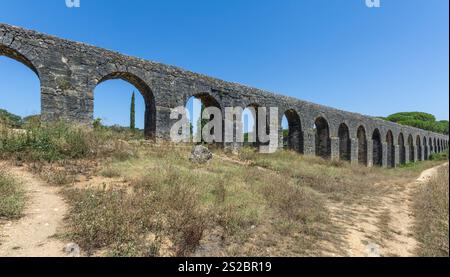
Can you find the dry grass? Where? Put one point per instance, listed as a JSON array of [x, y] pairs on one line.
[[12, 197], [140, 199], [431, 209], [250, 205], [339, 181]]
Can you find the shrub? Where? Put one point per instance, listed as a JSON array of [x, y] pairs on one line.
[[439, 156], [59, 141], [49, 143]]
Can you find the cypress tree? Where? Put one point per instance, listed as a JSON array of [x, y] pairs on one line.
[[132, 113]]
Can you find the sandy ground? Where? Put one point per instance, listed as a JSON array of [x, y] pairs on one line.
[[33, 235], [382, 230]]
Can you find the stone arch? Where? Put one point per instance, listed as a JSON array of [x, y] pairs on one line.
[[435, 146], [418, 148], [295, 134], [362, 145], [430, 145], [425, 149], [322, 137], [252, 109], [207, 100], [377, 149], [147, 94], [16, 56], [390, 149], [344, 142], [401, 149], [411, 148]]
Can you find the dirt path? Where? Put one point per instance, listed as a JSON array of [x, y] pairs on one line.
[[32, 235], [384, 229]]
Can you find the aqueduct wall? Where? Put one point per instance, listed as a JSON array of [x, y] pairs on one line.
[[69, 72]]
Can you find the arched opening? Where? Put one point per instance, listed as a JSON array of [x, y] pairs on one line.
[[425, 149], [435, 146], [20, 96], [430, 145], [362, 146], [401, 149], [112, 102], [344, 143], [250, 125], [390, 149], [196, 105], [377, 151], [411, 148], [323, 141], [419, 148], [292, 131]]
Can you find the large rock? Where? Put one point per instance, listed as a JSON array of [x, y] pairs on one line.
[[200, 154], [72, 250]]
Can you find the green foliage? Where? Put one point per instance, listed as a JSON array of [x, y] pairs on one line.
[[32, 120], [97, 124], [443, 156], [201, 123], [59, 141], [420, 120], [50, 143], [9, 119], [133, 112], [398, 117]]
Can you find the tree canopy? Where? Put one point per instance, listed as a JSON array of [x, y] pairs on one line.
[[420, 120]]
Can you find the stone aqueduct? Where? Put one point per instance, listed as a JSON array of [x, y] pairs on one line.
[[69, 72]]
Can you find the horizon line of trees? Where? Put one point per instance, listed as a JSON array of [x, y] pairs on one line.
[[420, 120]]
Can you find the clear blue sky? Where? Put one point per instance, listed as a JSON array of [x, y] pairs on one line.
[[331, 52]]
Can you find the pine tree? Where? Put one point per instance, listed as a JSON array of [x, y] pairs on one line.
[[132, 113]]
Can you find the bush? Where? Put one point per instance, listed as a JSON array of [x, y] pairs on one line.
[[49, 143], [59, 141], [439, 156]]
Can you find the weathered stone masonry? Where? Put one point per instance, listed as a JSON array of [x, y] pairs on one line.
[[69, 72]]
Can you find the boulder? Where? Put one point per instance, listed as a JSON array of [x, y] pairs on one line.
[[200, 154], [72, 250]]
